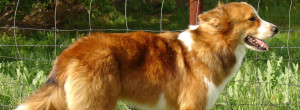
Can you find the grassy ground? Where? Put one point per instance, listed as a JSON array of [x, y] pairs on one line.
[[260, 84]]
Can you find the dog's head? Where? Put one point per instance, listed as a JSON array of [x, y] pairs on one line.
[[241, 22]]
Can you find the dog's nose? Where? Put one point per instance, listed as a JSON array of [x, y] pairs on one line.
[[275, 29]]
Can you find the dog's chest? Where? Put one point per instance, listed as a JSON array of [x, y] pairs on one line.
[[213, 90]]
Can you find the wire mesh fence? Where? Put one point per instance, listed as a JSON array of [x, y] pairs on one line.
[[260, 91]]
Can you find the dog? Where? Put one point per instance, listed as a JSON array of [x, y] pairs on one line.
[[165, 71]]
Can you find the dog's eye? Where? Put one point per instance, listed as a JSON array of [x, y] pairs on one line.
[[252, 18]]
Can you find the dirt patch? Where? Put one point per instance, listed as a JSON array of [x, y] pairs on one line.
[[41, 17]]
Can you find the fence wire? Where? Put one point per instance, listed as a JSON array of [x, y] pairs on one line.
[[287, 105]]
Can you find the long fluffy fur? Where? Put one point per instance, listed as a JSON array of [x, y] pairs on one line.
[[147, 68]]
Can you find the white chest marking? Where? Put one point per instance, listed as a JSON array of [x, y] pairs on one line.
[[22, 107], [186, 38], [214, 91], [193, 27], [160, 105]]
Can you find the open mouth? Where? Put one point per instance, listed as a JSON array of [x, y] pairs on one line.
[[256, 44]]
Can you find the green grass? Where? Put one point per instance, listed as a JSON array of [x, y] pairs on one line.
[[260, 84], [262, 87]]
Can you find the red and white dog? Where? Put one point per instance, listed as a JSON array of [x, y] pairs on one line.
[[168, 71]]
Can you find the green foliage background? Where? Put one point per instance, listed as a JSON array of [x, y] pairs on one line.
[[265, 81]]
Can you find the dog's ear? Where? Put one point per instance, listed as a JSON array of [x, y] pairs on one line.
[[216, 18], [220, 4]]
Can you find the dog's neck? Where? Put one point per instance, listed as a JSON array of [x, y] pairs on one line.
[[219, 57]]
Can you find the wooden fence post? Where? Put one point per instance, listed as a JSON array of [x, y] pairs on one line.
[[194, 5]]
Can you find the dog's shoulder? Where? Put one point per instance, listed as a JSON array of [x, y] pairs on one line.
[[169, 35]]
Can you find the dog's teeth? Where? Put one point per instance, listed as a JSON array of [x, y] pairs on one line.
[[262, 45]]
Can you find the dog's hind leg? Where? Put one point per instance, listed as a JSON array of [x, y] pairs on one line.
[[93, 86]]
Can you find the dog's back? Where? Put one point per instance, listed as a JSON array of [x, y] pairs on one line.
[[102, 68]]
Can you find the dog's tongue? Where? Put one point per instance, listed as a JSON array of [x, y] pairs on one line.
[[260, 42]]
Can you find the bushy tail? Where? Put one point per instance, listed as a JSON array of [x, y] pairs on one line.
[[48, 97]]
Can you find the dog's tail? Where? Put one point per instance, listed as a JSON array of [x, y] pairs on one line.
[[48, 97]]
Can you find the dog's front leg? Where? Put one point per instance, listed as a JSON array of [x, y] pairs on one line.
[[193, 96]]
